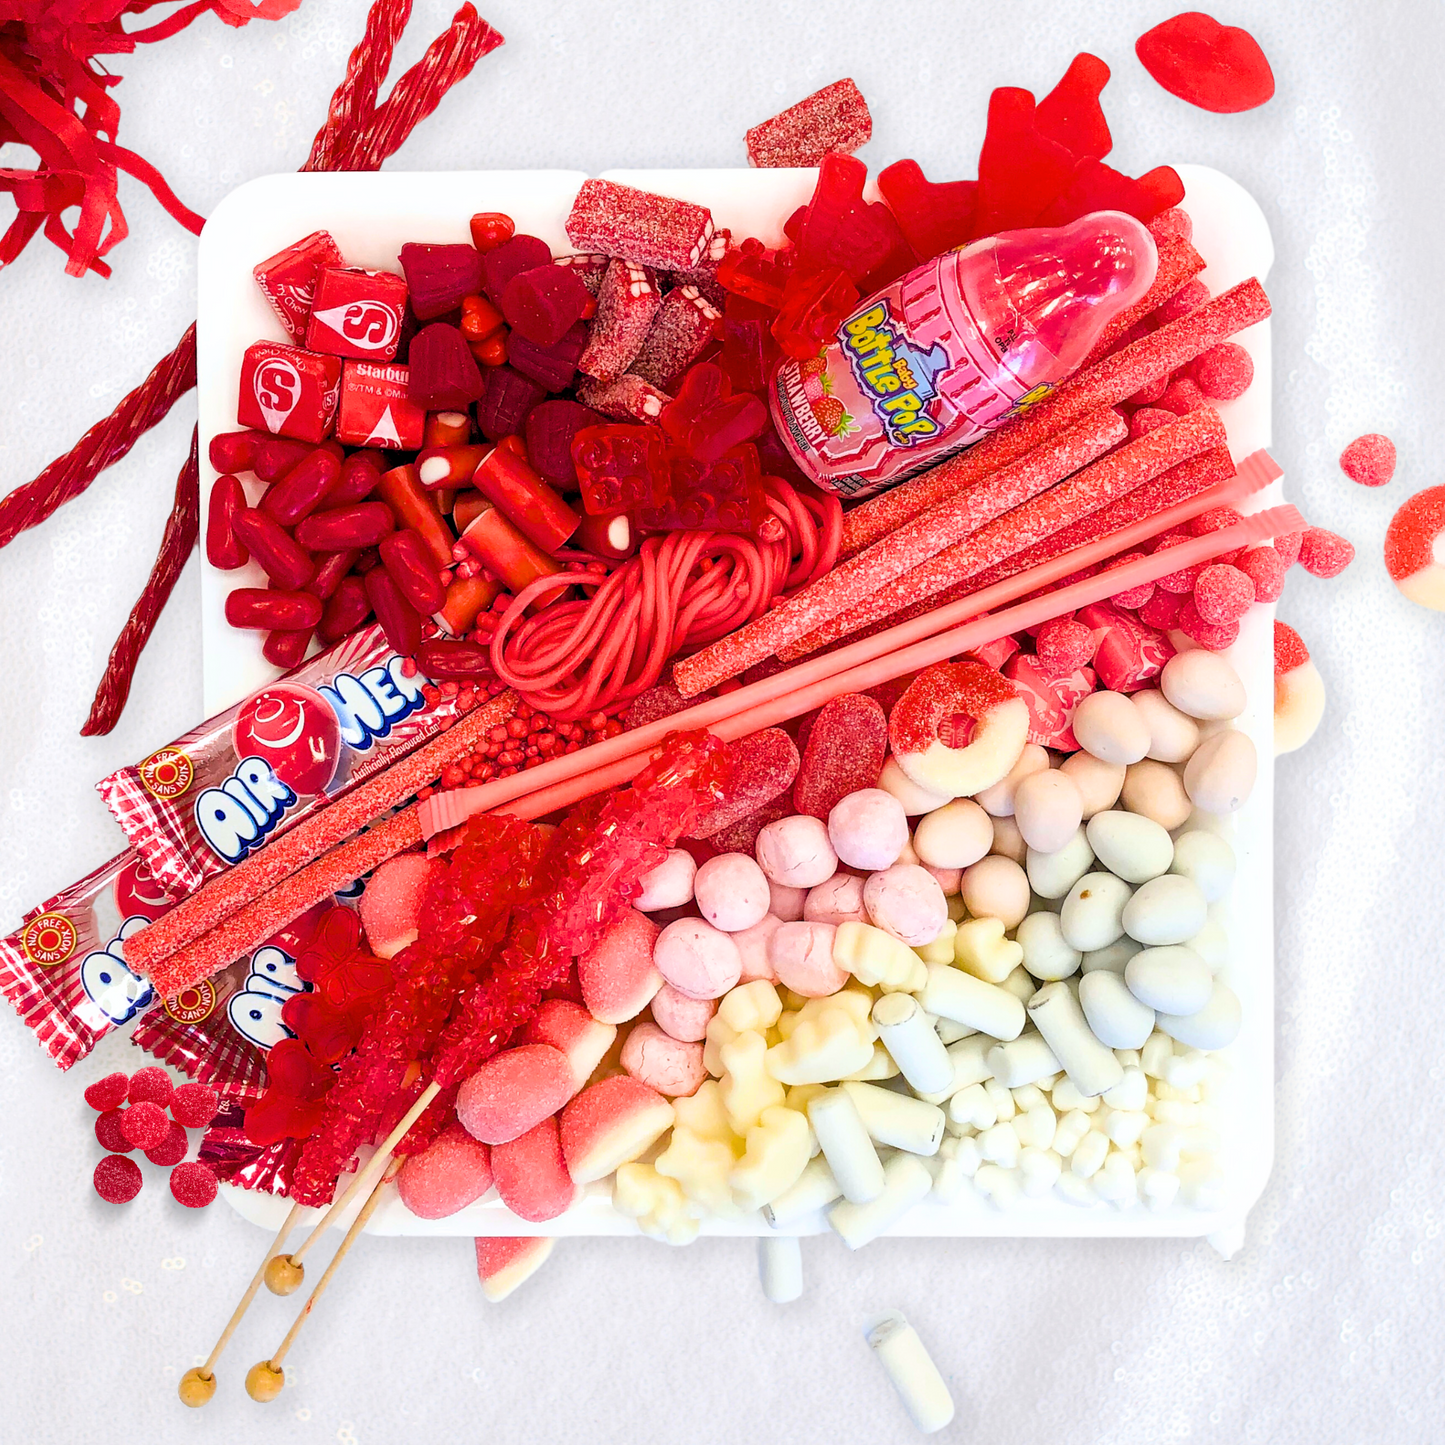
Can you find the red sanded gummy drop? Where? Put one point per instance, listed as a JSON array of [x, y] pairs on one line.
[[193, 1185], [1225, 372], [1223, 594], [1265, 568], [117, 1179], [845, 751], [194, 1105], [108, 1093], [1064, 645], [1290, 651], [1216, 67], [171, 1149], [145, 1125], [832, 119], [764, 765], [108, 1131], [1369, 460], [151, 1086], [1323, 553]]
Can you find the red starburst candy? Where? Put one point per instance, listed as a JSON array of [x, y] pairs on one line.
[[289, 392], [151, 1085], [376, 409], [832, 120], [117, 1179], [357, 313], [1369, 460], [1216, 67], [288, 279], [145, 1125], [108, 1093], [193, 1185], [1323, 553], [193, 1106], [171, 1149]]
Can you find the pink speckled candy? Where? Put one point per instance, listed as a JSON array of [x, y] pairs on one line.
[[846, 748], [764, 766], [506, 1261], [679, 334], [868, 829], [786, 903], [446, 1176], [513, 1091], [1369, 460], [531, 1174], [680, 1017], [669, 885], [1224, 372], [650, 229], [582, 1039], [731, 892], [626, 398], [753, 950], [1265, 568], [796, 851], [617, 974], [1223, 593], [906, 901], [673, 1068], [611, 1123], [802, 958], [392, 901], [838, 900], [833, 120], [697, 959]]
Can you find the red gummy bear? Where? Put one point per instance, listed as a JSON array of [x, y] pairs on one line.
[[814, 307], [1216, 67], [721, 496], [839, 229], [705, 419], [755, 272], [935, 216], [291, 1106], [620, 467]]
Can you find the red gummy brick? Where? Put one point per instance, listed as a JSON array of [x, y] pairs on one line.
[[626, 305], [629, 398], [832, 120], [639, 226], [1369, 460]]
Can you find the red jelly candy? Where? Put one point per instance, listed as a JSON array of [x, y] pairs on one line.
[[748, 350], [620, 468], [193, 1185], [551, 428], [223, 548], [839, 229], [1216, 67], [491, 229], [1324, 554], [756, 273], [1020, 171], [552, 367], [811, 311], [1265, 569], [1093, 186], [1216, 636], [346, 609], [360, 473], [117, 1179], [406, 557], [1161, 610], [443, 373], [507, 398], [108, 1093], [108, 1131], [145, 1125], [235, 451], [543, 304], [338, 528], [1070, 113], [764, 766], [398, 618], [193, 1106], [300, 491], [357, 313], [721, 496], [438, 276], [705, 419], [511, 258], [275, 456], [151, 1085], [255, 607], [171, 1149], [285, 650], [934, 216], [1369, 460], [845, 751], [1064, 646]]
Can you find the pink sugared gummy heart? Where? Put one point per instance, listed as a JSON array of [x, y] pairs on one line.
[[609, 1124], [568, 1026], [513, 1091], [391, 905]]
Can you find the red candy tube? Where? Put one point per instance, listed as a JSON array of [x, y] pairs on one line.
[[223, 548], [405, 556], [218, 794], [449, 466], [300, 491], [362, 525], [235, 451], [331, 567], [259, 607], [360, 473], [447, 428], [467, 598], [454, 659], [505, 552], [284, 562], [465, 506], [346, 609], [506, 480], [275, 456], [286, 649], [413, 506], [611, 535], [399, 620]]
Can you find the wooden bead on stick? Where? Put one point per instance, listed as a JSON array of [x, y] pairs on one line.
[[264, 1383], [196, 1387], [284, 1275]]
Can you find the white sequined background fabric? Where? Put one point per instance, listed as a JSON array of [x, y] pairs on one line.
[[1325, 1327]]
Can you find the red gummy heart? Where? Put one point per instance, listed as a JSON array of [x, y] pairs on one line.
[[1216, 67]]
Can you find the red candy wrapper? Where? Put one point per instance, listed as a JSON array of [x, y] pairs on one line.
[[203, 803], [1127, 652], [288, 279], [63, 969], [231, 1156], [288, 392], [375, 411], [1051, 700], [357, 313]]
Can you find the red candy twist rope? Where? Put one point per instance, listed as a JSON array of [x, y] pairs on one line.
[[683, 589], [355, 98], [182, 528]]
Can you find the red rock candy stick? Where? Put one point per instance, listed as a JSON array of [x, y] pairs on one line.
[[639, 226], [851, 582], [1107, 480], [225, 893], [1116, 377]]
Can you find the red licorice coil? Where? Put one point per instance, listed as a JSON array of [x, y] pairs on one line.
[[283, 560], [507, 481], [275, 456], [399, 620], [331, 567], [223, 548], [466, 599], [446, 429], [505, 552], [346, 609], [413, 506], [405, 556], [362, 525], [300, 491], [449, 466], [286, 649], [235, 451], [360, 473], [683, 589], [262, 608]]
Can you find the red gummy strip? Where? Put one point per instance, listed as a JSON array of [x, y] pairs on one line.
[[193, 1185], [834, 119], [117, 1179], [151, 1085], [1369, 460], [764, 766], [1290, 651], [1410, 537], [1216, 67], [108, 1093]]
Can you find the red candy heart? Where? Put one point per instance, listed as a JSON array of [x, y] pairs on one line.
[[1216, 67]]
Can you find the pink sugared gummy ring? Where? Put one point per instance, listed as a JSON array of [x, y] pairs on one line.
[[936, 696], [1415, 548], [1299, 691]]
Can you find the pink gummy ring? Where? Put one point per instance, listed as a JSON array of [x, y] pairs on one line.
[[151, 1085], [1290, 651], [194, 1105], [193, 1185], [145, 1125], [1369, 460], [108, 1131], [1412, 557], [108, 1093], [117, 1179], [1216, 67]]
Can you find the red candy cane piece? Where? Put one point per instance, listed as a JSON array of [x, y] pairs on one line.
[[223, 548], [257, 607], [406, 558], [509, 483]]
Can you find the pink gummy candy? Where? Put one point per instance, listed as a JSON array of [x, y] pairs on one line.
[[1323, 553], [617, 973], [446, 1176], [513, 1091], [1224, 371], [845, 751], [531, 1174], [1369, 460], [1223, 594], [764, 766]]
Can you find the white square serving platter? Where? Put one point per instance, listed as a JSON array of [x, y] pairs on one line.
[[371, 216]]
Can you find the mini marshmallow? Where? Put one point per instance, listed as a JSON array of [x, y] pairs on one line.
[[1089, 1155], [915, 800], [777, 1152], [697, 959], [786, 903], [1110, 728], [996, 887], [752, 944], [1001, 1187], [663, 1063], [912, 1043], [998, 800], [906, 1183], [1036, 1128], [953, 836], [1073, 1125], [980, 948], [801, 955], [1021, 1061], [896, 1119], [846, 1145], [880, 1066], [680, 1017], [816, 1189], [1051, 875], [967, 1000], [909, 1366], [1048, 808], [1099, 783], [906, 901], [838, 900], [1206, 859], [1116, 1018], [941, 950], [609, 1124], [780, 1267], [796, 852], [669, 885], [877, 959], [1047, 955], [1056, 1014], [514, 1091], [731, 892], [868, 829], [617, 974]]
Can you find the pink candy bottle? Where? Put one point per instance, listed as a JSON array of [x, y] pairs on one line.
[[950, 351]]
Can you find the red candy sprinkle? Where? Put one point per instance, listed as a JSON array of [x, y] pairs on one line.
[[1369, 460], [1225, 372], [194, 1105], [1290, 651], [151, 1086], [193, 1185], [117, 1179], [1064, 646], [1265, 568], [1216, 67], [145, 1125], [1324, 554], [108, 1131], [171, 1149], [108, 1093], [1223, 594]]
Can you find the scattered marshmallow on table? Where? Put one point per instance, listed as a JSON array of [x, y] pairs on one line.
[[868, 829], [731, 892], [923, 1391], [780, 1267], [796, 852]]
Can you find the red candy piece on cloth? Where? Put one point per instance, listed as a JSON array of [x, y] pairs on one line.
[[1216, 67], [1223, 593], [934, 216], [846, 746], [834, 120], [1070, 113], [145, 1125], [1290, 651], [109, 1132], [1020, 170], [288, 279], [1323, 553], [357, 313], [108, 1093], [722, 496], [193, 1185], [1128, 650], [193, 1106], [1369, 460], [117, 1179], [1051, 700], [764, 765], [151, 1085], [288, 392], [171, 1149], [620, 468], [839, 230], [439, 276], [1411, 558], [705, 418]]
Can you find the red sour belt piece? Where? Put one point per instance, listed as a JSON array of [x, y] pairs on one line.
[[834, 120], [1216, 67]]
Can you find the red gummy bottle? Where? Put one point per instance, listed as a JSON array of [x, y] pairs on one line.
[[951, 350]]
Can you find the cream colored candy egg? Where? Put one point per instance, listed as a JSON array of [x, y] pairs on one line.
[[1173, 735], [1220, 776], [1130, 845], [1155, 790], [1202, 684], [996, 887], [998, 800], [1098, 782], [1047, 809], [1109, 726], [953, 836]]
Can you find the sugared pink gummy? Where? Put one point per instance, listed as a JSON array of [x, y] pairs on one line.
[[1323, 553], [609, 1124], [617, 974], [845, 751], [531, 1175], [392, 902], [507, 1261], [448, 1175], [1369, 460], [513, 1091], [580, 1037]]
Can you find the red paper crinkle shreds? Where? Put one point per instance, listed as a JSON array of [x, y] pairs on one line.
[[1216, 67]]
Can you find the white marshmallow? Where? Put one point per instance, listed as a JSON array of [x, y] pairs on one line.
[[1056, 1014], [911, 1369]]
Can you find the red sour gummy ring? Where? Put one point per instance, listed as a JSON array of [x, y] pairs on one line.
[[151, 1086], [117, 1179], [932, 701], [108, 1093], [1414, 550], [145, 1125], [1369, 460], [193, 1185], [194, 1105], [1299, 691]]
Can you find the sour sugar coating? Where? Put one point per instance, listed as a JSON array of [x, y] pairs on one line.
[[834, 120], [1323, 553], [627, 398], [145, 1125], [1415, 548], [644, 228], [617, 974], [611, 1123], [117, 1179], [669, 885], [446, 1176], [731, 892], [679, 334], [682, 1018], [151, 1085], [531, 1174], [193, 1184], [764, 766], [568, 1026], [193, 1106], [935, 699], [391, 905], [506, 1262], [906, 901], [513, 1091], [107, 1093], [868, 829], [697, 959], [839, 900], [655, 1058], [171, 1150], [802, 958], [1369, 460], [626, 305], [1224, 372], [796, 852], [1299, 691], [845, 752]]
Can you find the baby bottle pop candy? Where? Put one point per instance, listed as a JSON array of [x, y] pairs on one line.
[[951, 350]]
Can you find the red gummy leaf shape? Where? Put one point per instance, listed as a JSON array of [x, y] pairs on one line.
[[1216, 67], [1020, 171], [1097, 187], [934, 216], [1070, 113], [839, 229]]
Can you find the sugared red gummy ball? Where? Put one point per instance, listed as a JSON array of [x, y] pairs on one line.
[[171, 1149], [1064, 645], [193, 1185], [1216, 636], [1223, 594], [1224, 372], [1149, 418], [145, 1125], [1369, 460], [1287, 544], [108, 1093], [1323, 553], [108, 1131], [446, 1176], [193, 1106], [151, 1086], [117, 1179], [1265, 568], [1415, 548]]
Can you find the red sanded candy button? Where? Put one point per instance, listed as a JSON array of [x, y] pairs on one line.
[[171, 1149], [1216, 636], [1063, 646], [1224, 372], [1265, 568], [108, 1093], [151, 1086], [194, 1105], [117, 1179], [1216, 67], [1223, 593], [108, 1131], [1369, 460], [845, 750], [1324, 554], [193, 1185], [145, 1124], [1132, 598], [1290, 651]]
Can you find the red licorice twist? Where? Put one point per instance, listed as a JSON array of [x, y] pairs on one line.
[[355, 98]]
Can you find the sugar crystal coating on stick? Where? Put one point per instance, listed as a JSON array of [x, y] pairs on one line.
[[834, 119], [1369, 460], [846, 748], [644, 228]]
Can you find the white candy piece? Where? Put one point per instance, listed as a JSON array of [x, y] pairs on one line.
[[1299, 702], [780, 1267], [1048, 809], [731, 892], [906, 901], [1168, 909], [1173, 979], [913, 1043], [1098, 782], [953, 836], [996, 887], [1207, 859], [911, 1369], [1211, 943], [967, 1059], [1023, 1060], [1113, 957], [1173, 735], [897, 1120], [1110, 728], [816, 1189], [1091, 1066], [1220, 776], [1202, 684], [960, 996], [1047, 954], [796, 852], [1051, 875], [868, 829], [1129, 845], [846, 1145], [1155, 790], [906, 1183], [1093, 913], [915, 799], [998, 800], [1116, 1018], [1215, 1026], [669, 885], [1008, 842]]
